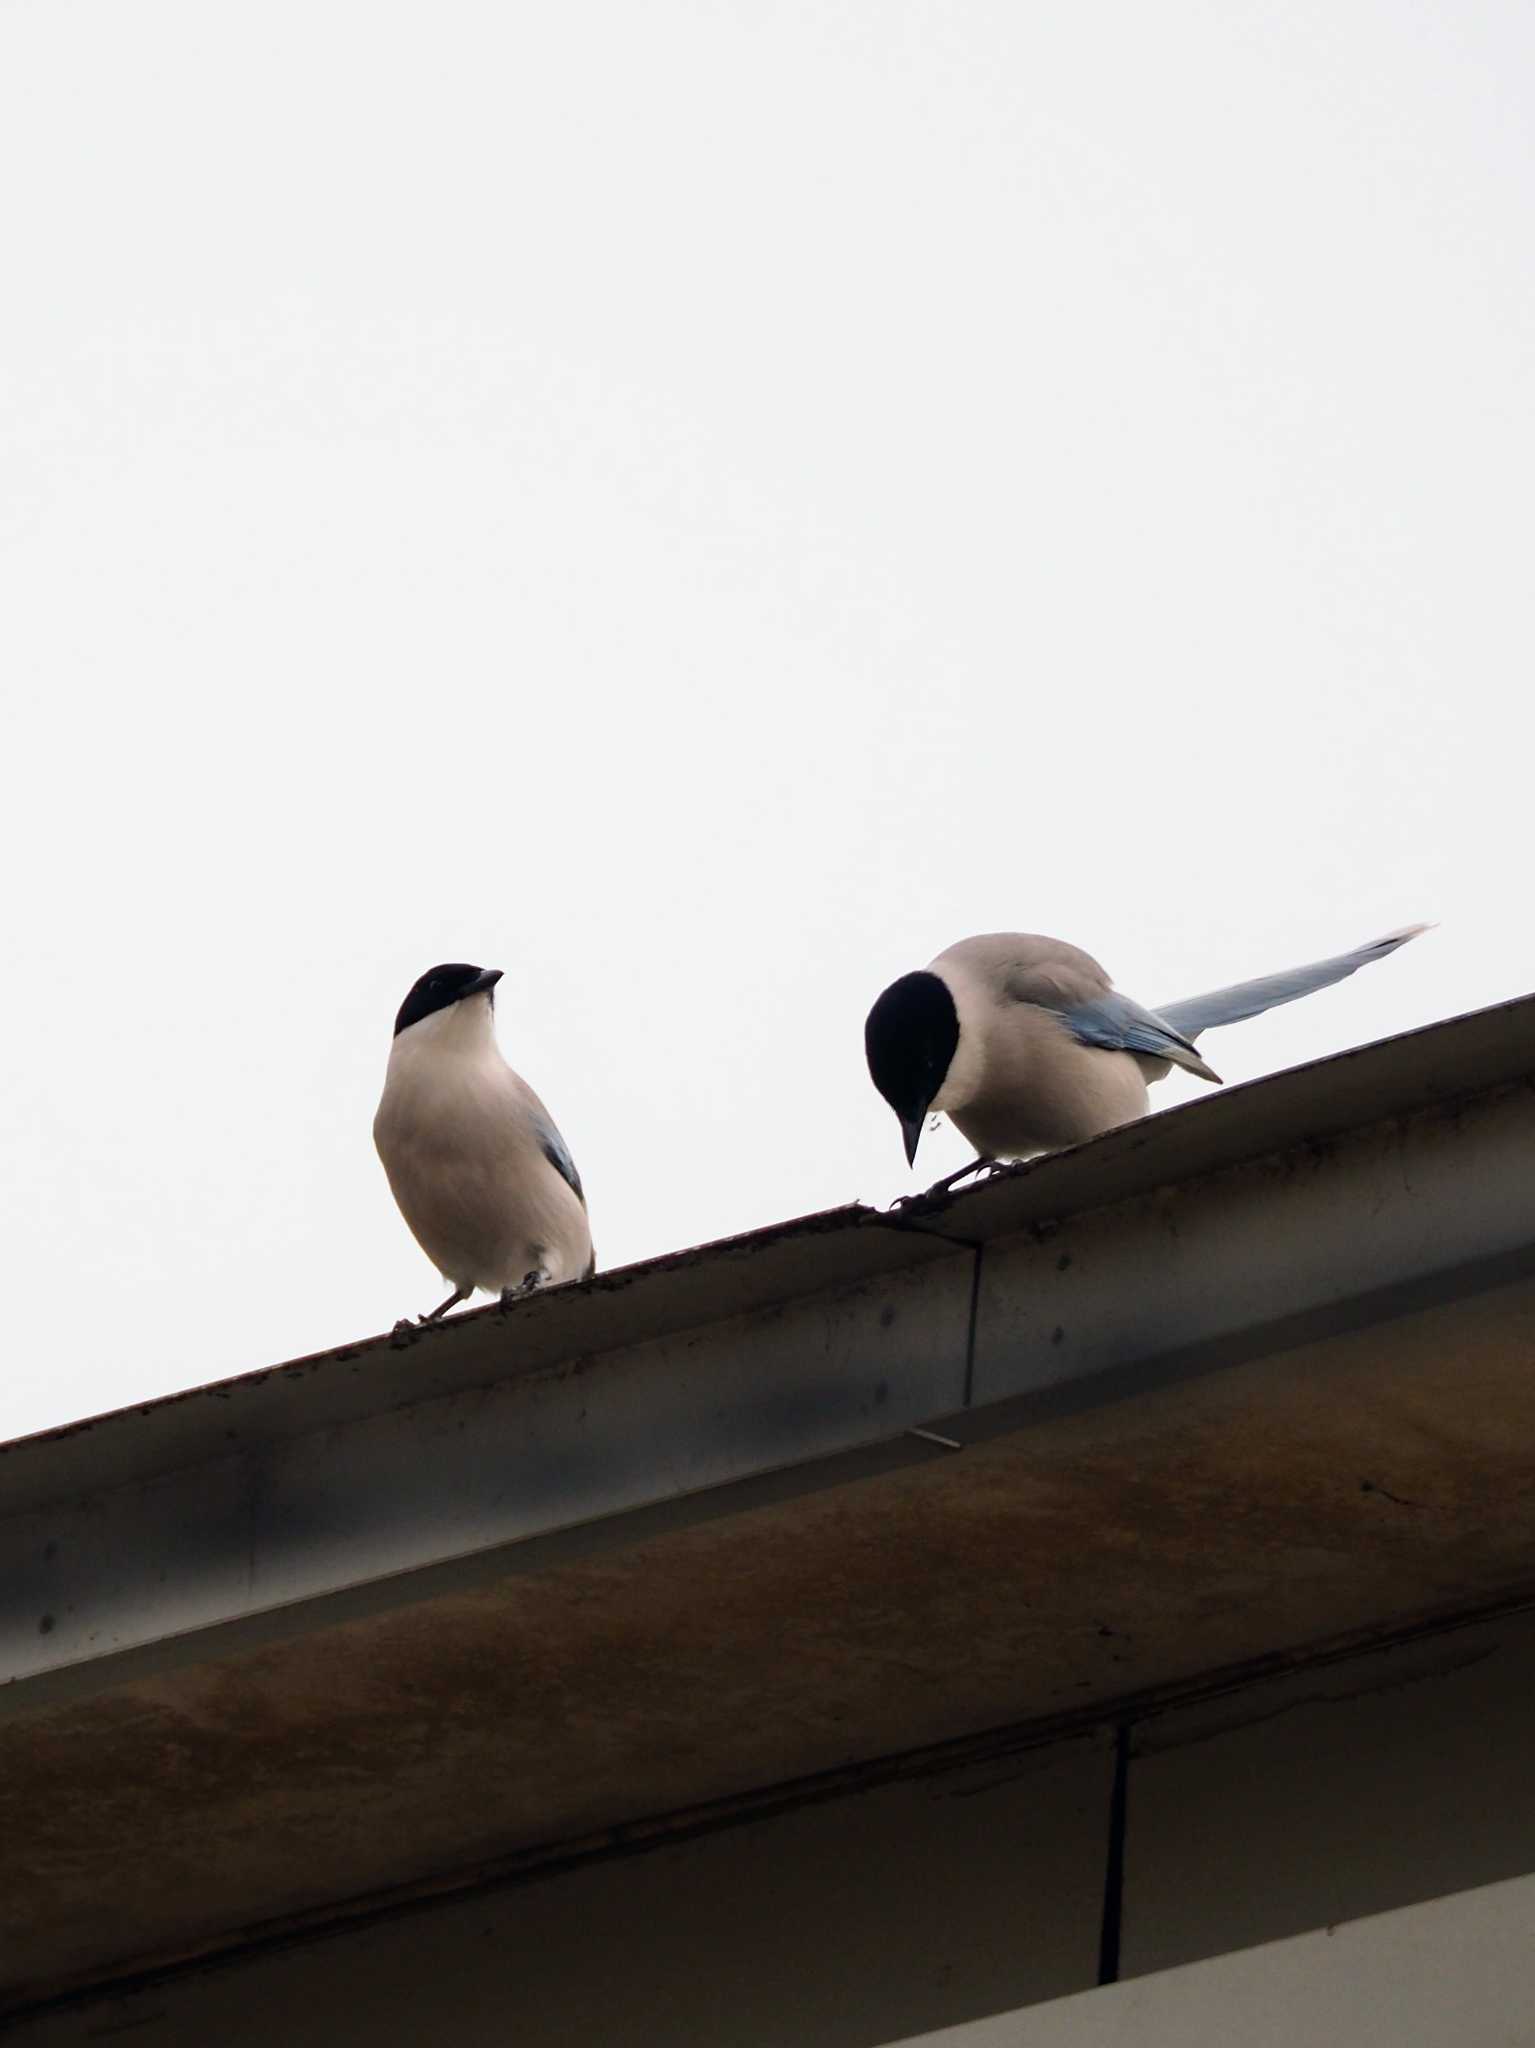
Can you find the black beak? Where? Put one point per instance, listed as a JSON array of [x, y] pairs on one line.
[[483, 982], [911, 1132]]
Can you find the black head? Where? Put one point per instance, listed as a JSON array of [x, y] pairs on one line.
[[910, 1038], [440, 987]]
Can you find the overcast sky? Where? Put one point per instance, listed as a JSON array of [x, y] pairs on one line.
[[700, 506]]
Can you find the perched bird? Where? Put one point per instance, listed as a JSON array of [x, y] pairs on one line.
[[1026, 1044], [481, 1175]]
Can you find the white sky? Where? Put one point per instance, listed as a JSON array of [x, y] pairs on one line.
[[702, 505]]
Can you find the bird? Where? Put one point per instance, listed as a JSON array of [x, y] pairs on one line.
[[474, 1160], [1026, 1045]]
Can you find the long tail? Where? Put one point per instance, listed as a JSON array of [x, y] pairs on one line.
[[1251, 998]]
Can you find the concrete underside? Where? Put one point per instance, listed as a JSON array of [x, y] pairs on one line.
[[1243, 1517]]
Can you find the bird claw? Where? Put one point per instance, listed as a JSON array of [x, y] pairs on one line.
[[530, 1284], [986, 1169]]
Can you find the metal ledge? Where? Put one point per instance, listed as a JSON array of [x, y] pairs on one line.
[[1240, 1379], [1461, 1058], [780, 1362]]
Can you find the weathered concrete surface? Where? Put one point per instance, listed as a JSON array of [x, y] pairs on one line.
[[1352, 1485]]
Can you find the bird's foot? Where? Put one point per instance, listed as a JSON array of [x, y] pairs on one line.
[[987, 1169], [529, 1284], [409, 1328]]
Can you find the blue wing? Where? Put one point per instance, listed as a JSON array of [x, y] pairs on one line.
[[1117, 1023], [1251, 998], [557, 1152]]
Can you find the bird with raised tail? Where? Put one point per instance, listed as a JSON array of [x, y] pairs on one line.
[[1026, 1045], [480, 1173]]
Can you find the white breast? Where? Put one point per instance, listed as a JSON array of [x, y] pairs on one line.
[[460, 1139], [1020, 1082]]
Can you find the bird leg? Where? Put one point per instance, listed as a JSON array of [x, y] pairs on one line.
[[459, 1294], [979, 1165], [984, 1168], [530, 1283], [989, 1167]]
